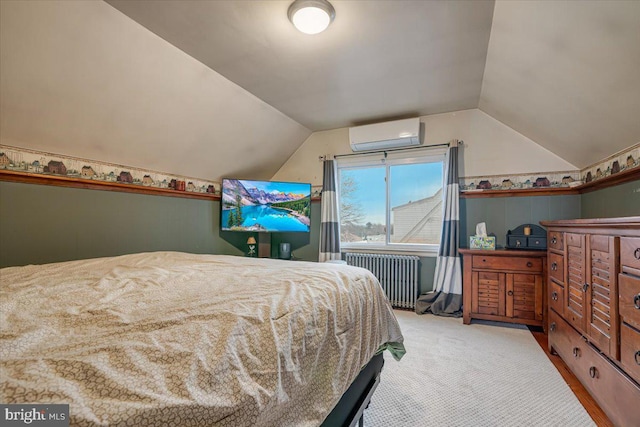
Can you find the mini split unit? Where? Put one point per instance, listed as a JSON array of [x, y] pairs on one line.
[[380, 136]]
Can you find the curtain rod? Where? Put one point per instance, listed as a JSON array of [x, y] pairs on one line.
[[397, 149]]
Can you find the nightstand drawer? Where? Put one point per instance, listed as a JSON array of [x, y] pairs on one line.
[[511, 263]]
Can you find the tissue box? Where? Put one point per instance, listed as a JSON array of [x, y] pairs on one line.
[[477, 242]]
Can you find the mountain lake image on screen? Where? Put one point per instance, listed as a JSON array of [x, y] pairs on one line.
[[265, 206]]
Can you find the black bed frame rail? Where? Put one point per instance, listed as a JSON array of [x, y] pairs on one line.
[[350, 409]]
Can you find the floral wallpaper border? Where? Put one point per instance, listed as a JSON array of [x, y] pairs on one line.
[[41, 163], [37, 162], [619, 162], [520, 181]]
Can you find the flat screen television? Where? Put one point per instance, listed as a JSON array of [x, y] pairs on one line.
[[265, 206]]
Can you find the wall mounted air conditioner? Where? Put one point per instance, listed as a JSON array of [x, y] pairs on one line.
[[380, 136]]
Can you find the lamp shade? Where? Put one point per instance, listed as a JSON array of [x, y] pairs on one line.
[[251, 241], [311, 16]]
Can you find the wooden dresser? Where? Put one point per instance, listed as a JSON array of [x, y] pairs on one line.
[[594, 308], [504, 285]]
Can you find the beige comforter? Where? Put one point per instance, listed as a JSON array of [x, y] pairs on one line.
[[169, 338]]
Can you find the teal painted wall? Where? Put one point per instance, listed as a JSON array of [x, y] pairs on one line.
[[41, 224], [502, 214], [620, 200]]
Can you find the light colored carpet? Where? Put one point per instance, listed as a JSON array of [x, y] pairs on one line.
[[471, 375]]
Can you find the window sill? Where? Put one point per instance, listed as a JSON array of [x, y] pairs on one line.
[[425, 253]]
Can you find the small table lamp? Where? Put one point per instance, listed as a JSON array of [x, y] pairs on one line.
[[251, 247]]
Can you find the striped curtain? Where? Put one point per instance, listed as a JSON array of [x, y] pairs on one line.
[[446, 298], [329, 221]]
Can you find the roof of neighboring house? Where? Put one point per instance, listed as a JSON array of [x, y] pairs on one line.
[[432, 205], [437, 194]]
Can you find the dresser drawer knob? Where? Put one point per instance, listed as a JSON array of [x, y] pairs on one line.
[[593, 372], [637, 357], [554, 266], [510, 293], [636, 253], [554, 240], [576, 352], [554, 296], [636, 301], [529, 264], [552, 327], [585, 287]]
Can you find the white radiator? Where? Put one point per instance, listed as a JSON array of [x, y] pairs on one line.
[[398, 275]]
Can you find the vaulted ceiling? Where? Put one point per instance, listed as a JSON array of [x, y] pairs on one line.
[[563, 73], [377, 59]]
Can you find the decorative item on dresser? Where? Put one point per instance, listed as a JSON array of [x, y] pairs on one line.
[[594, 302], [504, 285], [527, 236]]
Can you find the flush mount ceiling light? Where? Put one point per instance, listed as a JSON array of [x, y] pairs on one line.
[[311, 16]]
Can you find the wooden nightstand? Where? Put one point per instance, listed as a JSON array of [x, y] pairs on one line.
[[504, 285]]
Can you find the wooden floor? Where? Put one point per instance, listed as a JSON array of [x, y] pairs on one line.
[[592, 408]]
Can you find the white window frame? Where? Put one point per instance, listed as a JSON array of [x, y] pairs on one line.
[[427, 155]]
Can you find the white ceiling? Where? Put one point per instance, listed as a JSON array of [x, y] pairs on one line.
[[567, 75], [377, 59], [563, 73], [79, 78], [230, 88]]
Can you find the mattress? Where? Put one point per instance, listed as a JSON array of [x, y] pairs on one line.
[[169, 338]]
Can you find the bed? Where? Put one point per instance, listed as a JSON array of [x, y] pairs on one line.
[[170, 338]]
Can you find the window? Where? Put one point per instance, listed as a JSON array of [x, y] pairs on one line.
[[391, 202]]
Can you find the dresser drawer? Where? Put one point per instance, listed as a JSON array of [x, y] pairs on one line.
[[556, 267], [489, 262], [556, 297], [565, 340], [630, 254], [556, 240], [629, 299], [630, 351], [616, 394], [575, 240]]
